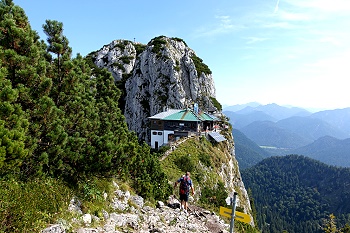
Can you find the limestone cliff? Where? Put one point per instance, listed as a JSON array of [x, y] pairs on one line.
[[163, 73]]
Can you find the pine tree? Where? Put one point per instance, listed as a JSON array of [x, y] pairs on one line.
[[330, 225], [13, 128], [58, 43], [63, 115], [346, 228], [23, 58]]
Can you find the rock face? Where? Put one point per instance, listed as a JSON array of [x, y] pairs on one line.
[[166, 74], [231, 175], [118, 57]]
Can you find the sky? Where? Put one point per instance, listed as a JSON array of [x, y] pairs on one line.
[[288, 52]]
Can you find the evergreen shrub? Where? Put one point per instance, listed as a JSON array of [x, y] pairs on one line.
[[200, 66]]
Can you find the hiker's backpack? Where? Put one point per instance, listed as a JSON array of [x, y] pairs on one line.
[[184, 185]]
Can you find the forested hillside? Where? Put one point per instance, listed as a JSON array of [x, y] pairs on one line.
[[296, 193], [60, 118]]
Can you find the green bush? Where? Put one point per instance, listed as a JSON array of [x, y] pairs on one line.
[[119, 66], [185, 163], [215, 196], [157, 43], [179, 40], [216, 103], [205, 159], [120, 46], [139, 48], [30, 206], [126, 59], [200, 66]]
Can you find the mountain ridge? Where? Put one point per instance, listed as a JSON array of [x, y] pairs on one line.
[[164, 73], [328, 150]]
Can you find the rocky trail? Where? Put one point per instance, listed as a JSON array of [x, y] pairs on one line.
[[131, 215]]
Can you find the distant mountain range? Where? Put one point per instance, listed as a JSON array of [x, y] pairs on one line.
[[269, 134], [239, 121], [283, 130], [275, 111], [328, 150], [338, 117], [237, 107]]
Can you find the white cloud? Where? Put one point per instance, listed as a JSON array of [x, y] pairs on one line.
[[323, 5], [337, 65], [284, 15], [331, 40], [224, 25], [225, 22], [281, 25], [253, 39], [277, 6]]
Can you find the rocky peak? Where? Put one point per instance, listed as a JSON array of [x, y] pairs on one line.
[[167, 73], [118, 57]]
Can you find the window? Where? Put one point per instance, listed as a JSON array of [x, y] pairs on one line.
[[154, 133], [160, 133]]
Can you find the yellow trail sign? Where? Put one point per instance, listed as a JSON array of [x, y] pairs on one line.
[[226, 212]]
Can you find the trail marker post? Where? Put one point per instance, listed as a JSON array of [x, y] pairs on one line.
[[233, 204], [233, 214]]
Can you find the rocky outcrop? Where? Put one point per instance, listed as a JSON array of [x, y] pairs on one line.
[[132, 215], [118, 57], [166, 74]]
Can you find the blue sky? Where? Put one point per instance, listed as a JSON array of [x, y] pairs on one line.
[[289, 52]]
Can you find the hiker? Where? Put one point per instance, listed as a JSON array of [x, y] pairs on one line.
[[184, 190]]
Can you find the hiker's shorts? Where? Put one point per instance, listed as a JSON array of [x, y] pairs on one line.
[[184, 197]]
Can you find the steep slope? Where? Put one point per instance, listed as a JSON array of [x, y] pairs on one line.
[[294, 193], [214, 170], [328, 150], [310, 128], [248, 153], [165, 73]]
